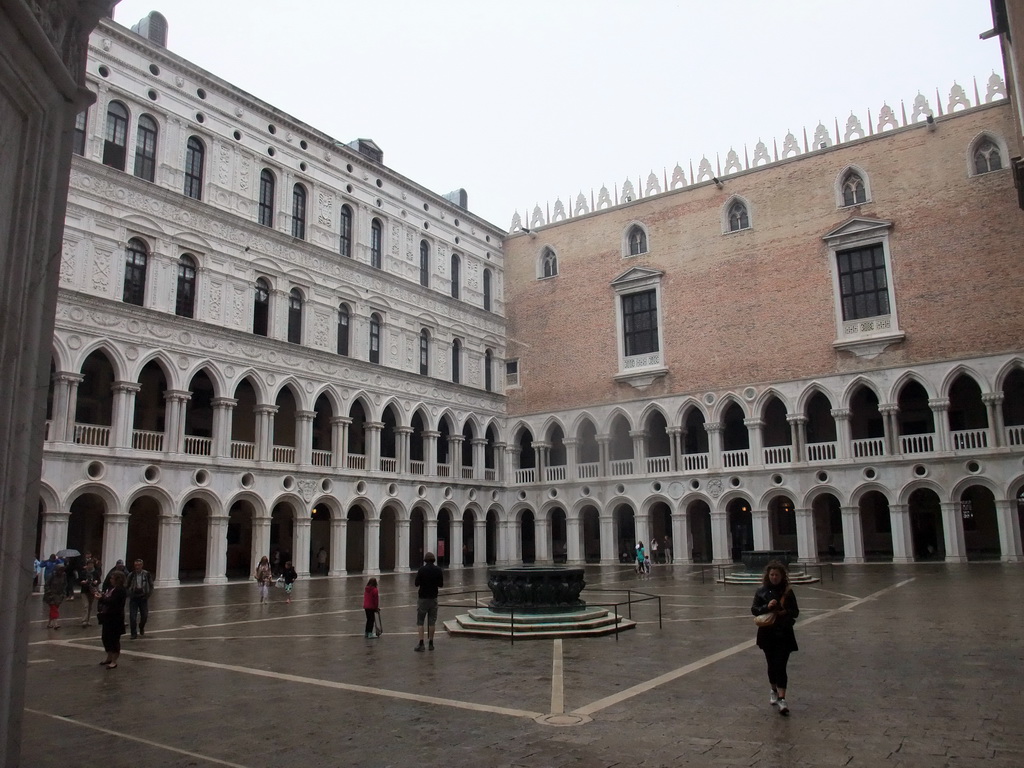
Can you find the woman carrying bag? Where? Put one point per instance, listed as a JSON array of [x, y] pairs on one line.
[[775, 610]]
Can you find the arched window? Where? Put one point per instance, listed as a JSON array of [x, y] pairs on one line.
[[456, 275], [344, 320], [261, 308], [115, 140], [194, 168], [738, 218], [424, 352], [637, 240], [78, 146], [489, 370], [145, 148], [376, 244], [424, 263], [456, 361], [487, 290], [375, 338], [987, 157], [266, 211], [185, 300], [549, 262], [854, 191], [136, 257], [299, 212], [346, 231], [295, 316]]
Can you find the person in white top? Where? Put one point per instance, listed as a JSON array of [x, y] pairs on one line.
[[654, 549]]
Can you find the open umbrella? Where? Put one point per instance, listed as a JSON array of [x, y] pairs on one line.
[[68, 553]]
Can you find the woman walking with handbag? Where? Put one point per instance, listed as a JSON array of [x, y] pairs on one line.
[[775, 610]]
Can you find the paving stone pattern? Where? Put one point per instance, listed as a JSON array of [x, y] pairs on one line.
[[924, 673]]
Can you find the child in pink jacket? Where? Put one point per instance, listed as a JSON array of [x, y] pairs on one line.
[[371, 604]]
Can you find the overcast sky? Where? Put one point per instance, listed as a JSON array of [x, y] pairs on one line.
[[527, 102]]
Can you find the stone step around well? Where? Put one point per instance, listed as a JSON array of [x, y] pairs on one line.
[[588, 623]]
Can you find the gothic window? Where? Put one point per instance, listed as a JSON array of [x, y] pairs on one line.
[[295, 316], [456, 361], [424, 263], [145, 148], [424, 352], [194, 168], [637, 240], [487, 290], [299, 212], [549, 263], [375, 338], [266, 210], [987, 157], [136, 256], [78, 146], [738, 218], [489, 370], [185, 299], [376, 244], [261, 308], [115, 140], [346, 231], [344, 319], [854, 191], [863, 285], [456, 275]]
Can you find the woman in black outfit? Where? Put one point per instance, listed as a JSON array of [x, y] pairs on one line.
[[110, 612], [777, 640]]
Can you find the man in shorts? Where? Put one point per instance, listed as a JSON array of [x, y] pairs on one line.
[[429, 578]]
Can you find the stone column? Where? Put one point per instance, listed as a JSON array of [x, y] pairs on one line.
[[72, 406], [940, 409], [339, 553], [853, 535], [890, 422], [643, 531], [304, 441], [223, 407], [402, 553], [403, 437], [115, 538], [479, 459], [609, 544], [603, 443], [682, 541], [55, 533], [339, 441], [174, 419], [953, 532], [806, 536], [169, 549], [755, 431], [300, 555], [573, 544], [994, 408], [514, 453], [902, 541], [260, 539], [217, 551], [720, 537], [62, 417], [429, 534], [762, 529], [798, 435], [500, 468], [674, 439], [714, 430], [122, 421], [265, 432], [480, 542], [430, 437], [373, 430], [844, 449], [455, 453], [1009, 531], [455, 543], [372, 546], [639, 437]]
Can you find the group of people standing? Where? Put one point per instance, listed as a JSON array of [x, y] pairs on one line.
[[267, 575]]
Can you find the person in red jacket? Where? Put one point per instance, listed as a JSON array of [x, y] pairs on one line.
[[371, 604]]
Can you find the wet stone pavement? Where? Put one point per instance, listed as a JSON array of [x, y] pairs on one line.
[[917, 666]]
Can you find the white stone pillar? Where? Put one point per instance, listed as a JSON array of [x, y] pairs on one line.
[[479, 457], [844, 448], [402, 555], [797, 434], [174, 422], [542, 538], [73, 381], [755, 432], [123, 418], [217, 551], [714, 430], [429, 534], [403, 443], [571, 458], [260, 539], [853, 535], [720, 537], [264, 431], [55, 534], [169, 551], [940, 417], [806, 536], [674, 436], [372, 546], [373, 430], [223, 407], [300, 555], [609, 544], [339, 441], [480, 542], [902, 539], [1009, 531], [603, 445], [506, 546], [339, 544], [574, 539], [953, 532], [115, 537], [890, 423], [430, 437], [762, 529], [639, 438], [994, 408], [500, 457], [455, 454], [455, 545], [62, 417], [682, 541], [304, 439], [642, 521]]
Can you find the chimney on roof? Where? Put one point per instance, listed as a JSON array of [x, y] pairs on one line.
[[368, 148], [153, 27], [458, 197]]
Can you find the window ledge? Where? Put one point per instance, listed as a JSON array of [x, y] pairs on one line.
[[869, 346], [643, 378]]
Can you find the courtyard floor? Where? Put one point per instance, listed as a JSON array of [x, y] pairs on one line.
[[916, 666]]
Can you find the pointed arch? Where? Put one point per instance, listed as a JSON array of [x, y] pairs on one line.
[[852, 187], [987, 153], [962, 369]]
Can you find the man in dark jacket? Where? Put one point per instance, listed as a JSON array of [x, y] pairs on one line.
[[140, 587], [429, 578]]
